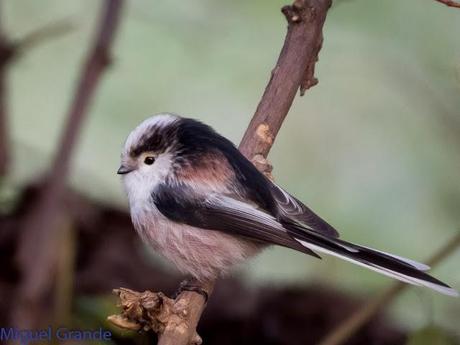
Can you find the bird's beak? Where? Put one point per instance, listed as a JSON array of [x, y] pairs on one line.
[[124, 170]]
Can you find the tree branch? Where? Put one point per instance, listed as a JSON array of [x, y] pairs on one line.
[[175, 320], [363, 315], [4, 135], [9, 51], [450, 3], [5, 58], [45, 33], [38, 240], [293, 71]]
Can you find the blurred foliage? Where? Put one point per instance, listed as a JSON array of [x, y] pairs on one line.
[[373, 148], [429, 336], [8, 198]]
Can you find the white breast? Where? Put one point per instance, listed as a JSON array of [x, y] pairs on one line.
[[203, 253]]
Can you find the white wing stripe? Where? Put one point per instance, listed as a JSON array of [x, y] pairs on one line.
[[249, 211]]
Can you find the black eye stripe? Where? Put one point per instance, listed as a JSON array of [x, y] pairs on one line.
[[149, 160]]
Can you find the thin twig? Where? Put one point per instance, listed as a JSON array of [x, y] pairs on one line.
[[45, 33], [9, 51], [38, 241], [450, 3], [363, 315], [5, 58], [4, 133], [176, 320]]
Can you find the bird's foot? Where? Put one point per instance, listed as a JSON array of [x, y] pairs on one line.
[[192, 285]]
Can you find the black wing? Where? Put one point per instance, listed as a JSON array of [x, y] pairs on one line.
[[292, 208], [180, 204], [238, 218], [194, 136]]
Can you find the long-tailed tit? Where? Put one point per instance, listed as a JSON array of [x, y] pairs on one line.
[[200, 203]]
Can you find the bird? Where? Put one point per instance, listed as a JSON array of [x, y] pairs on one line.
[[202, 205]]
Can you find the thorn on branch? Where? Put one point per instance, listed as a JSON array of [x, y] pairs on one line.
[[102, 57], [293, 14], [300, 11], [309, 80]]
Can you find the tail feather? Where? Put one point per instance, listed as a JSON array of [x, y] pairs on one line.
[[418, 265], [394, 266]]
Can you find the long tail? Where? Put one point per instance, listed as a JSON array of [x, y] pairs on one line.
[[403, 269]]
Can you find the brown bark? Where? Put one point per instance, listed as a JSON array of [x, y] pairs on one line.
[[4, 136], [38, 246], [450, 3], [293, 71], [6, 53], [175, 321]]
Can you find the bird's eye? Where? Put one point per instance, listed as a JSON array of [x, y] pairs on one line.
[[149, 160]]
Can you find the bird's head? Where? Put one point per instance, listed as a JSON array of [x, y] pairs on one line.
[[146, 158], [169, 148]]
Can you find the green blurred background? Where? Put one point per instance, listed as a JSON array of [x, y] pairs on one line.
[[374, 148]]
